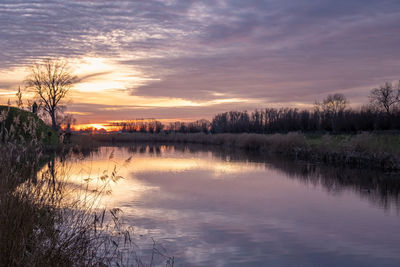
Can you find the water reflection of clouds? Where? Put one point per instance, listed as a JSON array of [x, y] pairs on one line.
[[140, 164], [253, 215], [231, 241]]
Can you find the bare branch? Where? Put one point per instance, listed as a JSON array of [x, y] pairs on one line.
[[51, 80], [385, 98]]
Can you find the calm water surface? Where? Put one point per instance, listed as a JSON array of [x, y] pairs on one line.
[[215, 208]]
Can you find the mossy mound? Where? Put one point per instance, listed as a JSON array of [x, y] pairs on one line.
[[21, 124]]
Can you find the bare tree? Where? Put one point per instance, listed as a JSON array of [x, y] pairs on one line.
[[51, 81], [385, 97], [332, 104]]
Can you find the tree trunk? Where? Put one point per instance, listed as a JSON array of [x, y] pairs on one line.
[[53, 120]]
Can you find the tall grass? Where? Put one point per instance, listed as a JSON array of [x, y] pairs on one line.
[[39, 224], [45, 221]]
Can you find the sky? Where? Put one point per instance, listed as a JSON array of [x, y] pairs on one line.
[[188, 59]]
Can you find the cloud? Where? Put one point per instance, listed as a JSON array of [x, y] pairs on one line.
[[274, 51], [90, 76], [104, 112]]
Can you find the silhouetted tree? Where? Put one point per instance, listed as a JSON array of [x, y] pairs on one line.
[[386, 97], [51, 81], [334, 104]]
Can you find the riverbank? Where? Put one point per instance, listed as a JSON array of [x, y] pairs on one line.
[[380, 151], [48, 220]]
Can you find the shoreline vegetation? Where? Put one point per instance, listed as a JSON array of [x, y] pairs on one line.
[[364, 150], [47, 220], [380, 149], [332, 132]]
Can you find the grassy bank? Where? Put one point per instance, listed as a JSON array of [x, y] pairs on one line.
[[362, 150], [22, 126]]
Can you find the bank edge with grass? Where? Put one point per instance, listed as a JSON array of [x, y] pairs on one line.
[[380, 151]]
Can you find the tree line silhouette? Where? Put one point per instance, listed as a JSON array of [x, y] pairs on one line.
[[283, 120], [332, 115], [154, 126]]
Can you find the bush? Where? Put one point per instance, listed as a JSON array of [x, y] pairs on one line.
[[24, 126]]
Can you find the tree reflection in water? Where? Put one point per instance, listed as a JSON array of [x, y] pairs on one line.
[[379, 188]]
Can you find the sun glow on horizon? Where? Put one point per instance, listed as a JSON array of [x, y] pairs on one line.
[[98, 126], [112, 126]]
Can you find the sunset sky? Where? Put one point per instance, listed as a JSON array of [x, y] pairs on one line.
[[188, 59]]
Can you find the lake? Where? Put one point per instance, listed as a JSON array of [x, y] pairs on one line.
[[210, 207]]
